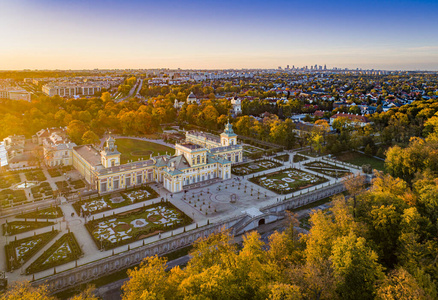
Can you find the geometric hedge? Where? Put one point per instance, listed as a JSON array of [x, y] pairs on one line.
[[22, 250], [64, 250]]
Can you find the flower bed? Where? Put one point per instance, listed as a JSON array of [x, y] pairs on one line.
[[115, 200], [127, 227], [78, 184], [298, 158], [327, 169], [254, 167], [35, 175], [64, 250], [287, 181], [8, 180], [54, 172], [42, 190], [16, 227], [284, 157], [46, 213], [23, 249], [8, 197], [63, 186]]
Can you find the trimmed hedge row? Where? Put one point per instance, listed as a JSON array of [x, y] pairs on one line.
[[39, 264], [10, 248], [40, 214], [14, 227]]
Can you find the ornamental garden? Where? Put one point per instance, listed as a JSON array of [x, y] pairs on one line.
[[115, 200], [288, 180], [123, 228], [254, 167], [64, 250], [327, 169]]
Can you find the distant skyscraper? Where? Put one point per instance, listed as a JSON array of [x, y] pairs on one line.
[[287, 67], [325, 67]]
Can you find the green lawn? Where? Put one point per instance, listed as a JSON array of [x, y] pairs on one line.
[[134, 149], [360, 159]]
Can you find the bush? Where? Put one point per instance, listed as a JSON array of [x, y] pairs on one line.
[[16, 227]]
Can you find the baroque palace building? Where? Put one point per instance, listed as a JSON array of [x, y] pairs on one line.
[[202, 158]]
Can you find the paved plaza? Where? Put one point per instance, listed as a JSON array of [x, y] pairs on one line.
[[203, 204]]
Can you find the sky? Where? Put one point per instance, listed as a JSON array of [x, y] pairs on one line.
[[58, 34]]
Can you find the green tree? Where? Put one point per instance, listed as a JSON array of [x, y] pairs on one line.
[[356, 268], [90, 137], [76, 130]]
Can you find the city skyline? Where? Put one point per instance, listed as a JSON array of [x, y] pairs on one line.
[[47, 34]]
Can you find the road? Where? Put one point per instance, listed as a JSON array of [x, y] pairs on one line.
[[131, 92]]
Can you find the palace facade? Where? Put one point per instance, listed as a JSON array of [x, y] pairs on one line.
[[202, 158]]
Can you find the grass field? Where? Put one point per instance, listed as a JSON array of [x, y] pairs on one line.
[[134, 149], [360, 159]]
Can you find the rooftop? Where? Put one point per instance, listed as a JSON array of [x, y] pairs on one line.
[[126, 167], [90, 154], [205, 135], [191, 146]]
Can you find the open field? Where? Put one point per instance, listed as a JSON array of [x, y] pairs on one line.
[[360, 159], [132, 149]]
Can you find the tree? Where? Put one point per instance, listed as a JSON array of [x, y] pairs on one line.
[[400, 285], [106, 97], [356, 268], [23, 290], [316, 140], [90, 137], [87, 294], [149, 281], [76, 130]]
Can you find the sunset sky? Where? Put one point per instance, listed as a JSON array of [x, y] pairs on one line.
[[58, 34]]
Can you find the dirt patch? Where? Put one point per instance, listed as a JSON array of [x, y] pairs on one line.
[[121, 227], [154, 218]]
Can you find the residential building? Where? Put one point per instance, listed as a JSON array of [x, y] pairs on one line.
[[237, 105], [57, 148], [14, 94]]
